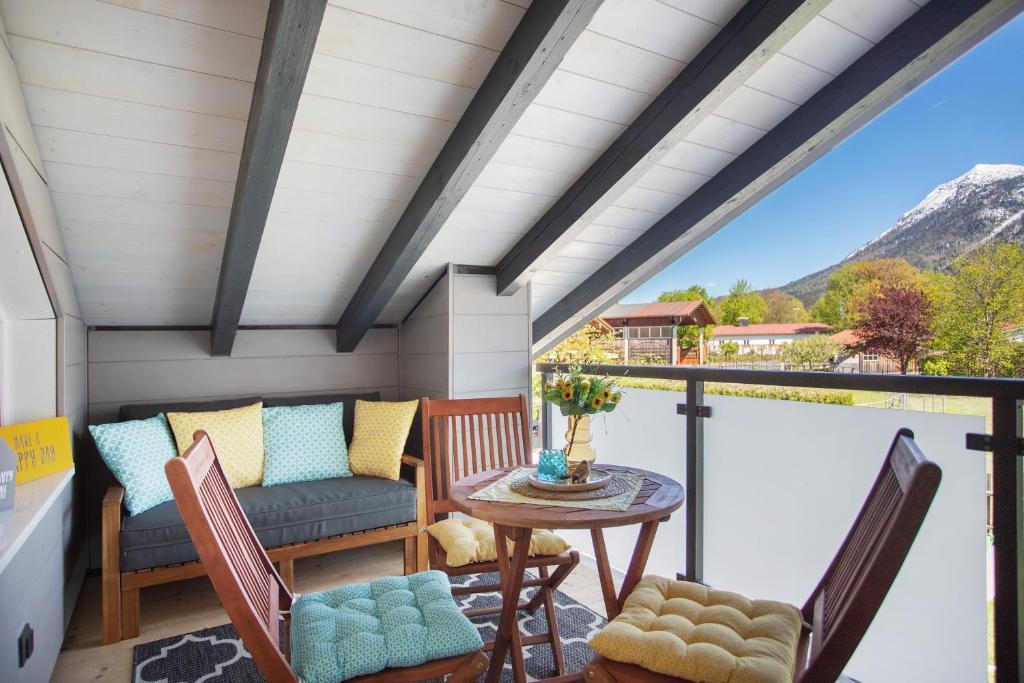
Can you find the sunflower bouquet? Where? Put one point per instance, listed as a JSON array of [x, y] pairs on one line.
[[576, 394]]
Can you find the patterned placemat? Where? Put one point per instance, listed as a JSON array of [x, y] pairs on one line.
[[502, 491], [616, 486]]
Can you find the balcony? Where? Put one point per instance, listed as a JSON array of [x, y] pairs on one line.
[[773, 485]]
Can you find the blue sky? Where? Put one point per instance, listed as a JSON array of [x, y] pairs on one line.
[[970, 113]]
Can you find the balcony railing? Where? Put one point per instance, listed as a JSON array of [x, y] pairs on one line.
[[772, 487]]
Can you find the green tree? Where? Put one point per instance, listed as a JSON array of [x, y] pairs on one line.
[[691, 293], [783, 308], [814, 351], [589, 345], [742, 302], [854, 284], [978, 303], [729, 349]]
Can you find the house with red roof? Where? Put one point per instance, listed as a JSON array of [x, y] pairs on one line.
[[764, 338], [651, 331]]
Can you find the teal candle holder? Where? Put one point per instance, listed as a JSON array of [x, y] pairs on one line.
[[553, 465]]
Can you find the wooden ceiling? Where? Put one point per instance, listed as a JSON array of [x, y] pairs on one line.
[[140, 111]]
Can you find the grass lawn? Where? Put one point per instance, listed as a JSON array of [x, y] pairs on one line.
[[956, 405]]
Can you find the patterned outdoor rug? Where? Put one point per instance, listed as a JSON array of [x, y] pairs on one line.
[[216, 655]]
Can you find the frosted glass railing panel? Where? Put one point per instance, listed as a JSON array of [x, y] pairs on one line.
[[785, 480], [643, 432], [783, 483]]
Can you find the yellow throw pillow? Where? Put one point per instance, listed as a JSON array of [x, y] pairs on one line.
[[472, 540], [378, 437], [237, 436]]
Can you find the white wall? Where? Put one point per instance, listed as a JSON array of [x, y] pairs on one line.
[[45, 339], [425, 369], [490, 338]]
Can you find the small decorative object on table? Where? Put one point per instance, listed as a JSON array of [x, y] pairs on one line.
[[579, 396], [553, 465]]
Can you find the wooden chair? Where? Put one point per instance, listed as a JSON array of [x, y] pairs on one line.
[[462, 437], [845, 601], [253, 594]]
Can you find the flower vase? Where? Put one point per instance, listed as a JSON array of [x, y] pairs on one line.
[[578, 448]]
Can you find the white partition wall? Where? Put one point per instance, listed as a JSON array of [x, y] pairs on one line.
[[783, 483]]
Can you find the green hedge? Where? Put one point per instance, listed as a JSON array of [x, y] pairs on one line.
[[842, 398]]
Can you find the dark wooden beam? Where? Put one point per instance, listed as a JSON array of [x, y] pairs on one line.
[[532, 54], [757, 32], [292, 28], [914, 51]]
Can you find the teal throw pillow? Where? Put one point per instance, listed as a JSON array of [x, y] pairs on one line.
[[135, 451], [304, 443]]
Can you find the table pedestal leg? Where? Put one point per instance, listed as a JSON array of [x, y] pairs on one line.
[[509, 639]]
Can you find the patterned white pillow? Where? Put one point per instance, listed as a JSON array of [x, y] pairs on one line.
[[304, 443], [135, 451]]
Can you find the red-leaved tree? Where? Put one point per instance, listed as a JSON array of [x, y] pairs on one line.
[[896, 323]]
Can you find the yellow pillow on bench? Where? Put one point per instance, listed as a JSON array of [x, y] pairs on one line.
[[378, 437], [237, 436], [472, 540], [690, 631]]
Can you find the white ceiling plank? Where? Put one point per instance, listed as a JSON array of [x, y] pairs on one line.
[[84, 235], [724, 134], [755, 108], [104, 151], [69, 68], [598, 56], [672, 180], [378, 87], [630, 219], [689, 156], [506, 201], [115, 30], [136, 212], [364, 122], [545, 154], [366, 155], [648, 200], [248, 17], [827, 46], [500, 175], [487, 23], [788, 78], [465, 218], [716, 11], [606, 234], [872, 19], [572, 128], [90, 114], [298, 175], [307, 203], [107, 182], [368, 39], [582, 249], [602, 100], [654, 26]]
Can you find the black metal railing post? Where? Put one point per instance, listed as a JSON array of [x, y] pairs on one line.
[[1008, 538], [695, 412]]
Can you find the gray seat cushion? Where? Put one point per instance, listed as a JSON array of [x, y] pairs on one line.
[[289, 513]]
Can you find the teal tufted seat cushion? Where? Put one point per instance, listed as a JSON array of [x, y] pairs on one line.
[[364, 628]]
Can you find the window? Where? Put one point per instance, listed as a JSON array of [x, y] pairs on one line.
[[870, 356]]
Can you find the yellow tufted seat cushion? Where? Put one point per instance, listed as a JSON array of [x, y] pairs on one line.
[[690, 631], [472, 540]]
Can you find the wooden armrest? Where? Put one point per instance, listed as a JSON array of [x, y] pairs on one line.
[[411, 460], [114, 496]]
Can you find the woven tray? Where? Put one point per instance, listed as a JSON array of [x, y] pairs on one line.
[[615, 487]]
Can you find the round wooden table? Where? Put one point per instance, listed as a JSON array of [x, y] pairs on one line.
[[659, 497]]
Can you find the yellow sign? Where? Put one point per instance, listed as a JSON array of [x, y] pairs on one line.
[[43, 447]]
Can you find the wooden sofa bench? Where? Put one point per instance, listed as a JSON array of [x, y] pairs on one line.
[[153, 548]]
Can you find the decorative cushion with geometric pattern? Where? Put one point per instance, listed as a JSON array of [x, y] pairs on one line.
[[378, 439], [690, 631], [237, 437], [364, 628], [135, 451], [304, 443]]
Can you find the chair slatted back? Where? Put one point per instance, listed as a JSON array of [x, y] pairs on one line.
[[462, 437], [843, 605], [246, 582]]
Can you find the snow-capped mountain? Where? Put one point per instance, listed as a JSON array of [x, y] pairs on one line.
[[983, 205]]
